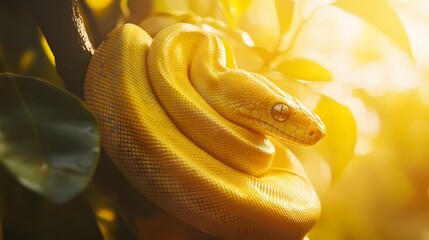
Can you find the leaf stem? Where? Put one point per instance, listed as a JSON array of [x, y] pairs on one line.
[[282, 54]]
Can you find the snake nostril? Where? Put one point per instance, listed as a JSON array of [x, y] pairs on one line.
[[311, 133]]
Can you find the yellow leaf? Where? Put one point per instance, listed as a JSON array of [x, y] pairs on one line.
[[304, 69], [233, 9], [98, 5], [337, 147], [285, 10], [299, 90], [47, 49], [381, 15]]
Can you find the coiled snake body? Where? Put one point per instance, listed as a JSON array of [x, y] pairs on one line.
[[190, 131]]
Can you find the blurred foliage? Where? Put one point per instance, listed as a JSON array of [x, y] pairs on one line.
[[49, 150], [336, 148], [366, 77], [298, 69], [389, 24], [21, 44]]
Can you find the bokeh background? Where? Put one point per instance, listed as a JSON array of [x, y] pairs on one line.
[[365, 71]]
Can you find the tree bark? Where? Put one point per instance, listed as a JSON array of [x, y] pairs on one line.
[[64, 30]]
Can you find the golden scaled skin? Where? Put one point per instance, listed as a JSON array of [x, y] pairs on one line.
[[190, 133]]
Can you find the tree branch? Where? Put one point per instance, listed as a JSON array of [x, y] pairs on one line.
[[63, 28]]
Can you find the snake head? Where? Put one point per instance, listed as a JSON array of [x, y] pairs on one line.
[[285, 118], [290, 121], [258, 104]]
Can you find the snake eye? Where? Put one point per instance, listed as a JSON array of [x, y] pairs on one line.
[[280, 112]]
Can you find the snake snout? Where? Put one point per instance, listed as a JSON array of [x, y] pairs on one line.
[[314, 133], [312, 127]]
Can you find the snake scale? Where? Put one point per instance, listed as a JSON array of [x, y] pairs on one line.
[[200, 137]]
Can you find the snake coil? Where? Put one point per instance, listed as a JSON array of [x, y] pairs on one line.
[[190, 132]]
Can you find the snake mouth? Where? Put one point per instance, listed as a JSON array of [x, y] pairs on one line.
[[296, 136]]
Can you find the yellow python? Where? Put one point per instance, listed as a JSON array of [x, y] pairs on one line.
[[190, 131]]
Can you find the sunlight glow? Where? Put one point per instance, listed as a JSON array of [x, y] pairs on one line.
[[247, 39]]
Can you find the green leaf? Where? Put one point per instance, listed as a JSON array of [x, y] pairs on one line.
[[381, 15], [337, 147], [304, 69], [233, 9], [48, 138], [285, 10]]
